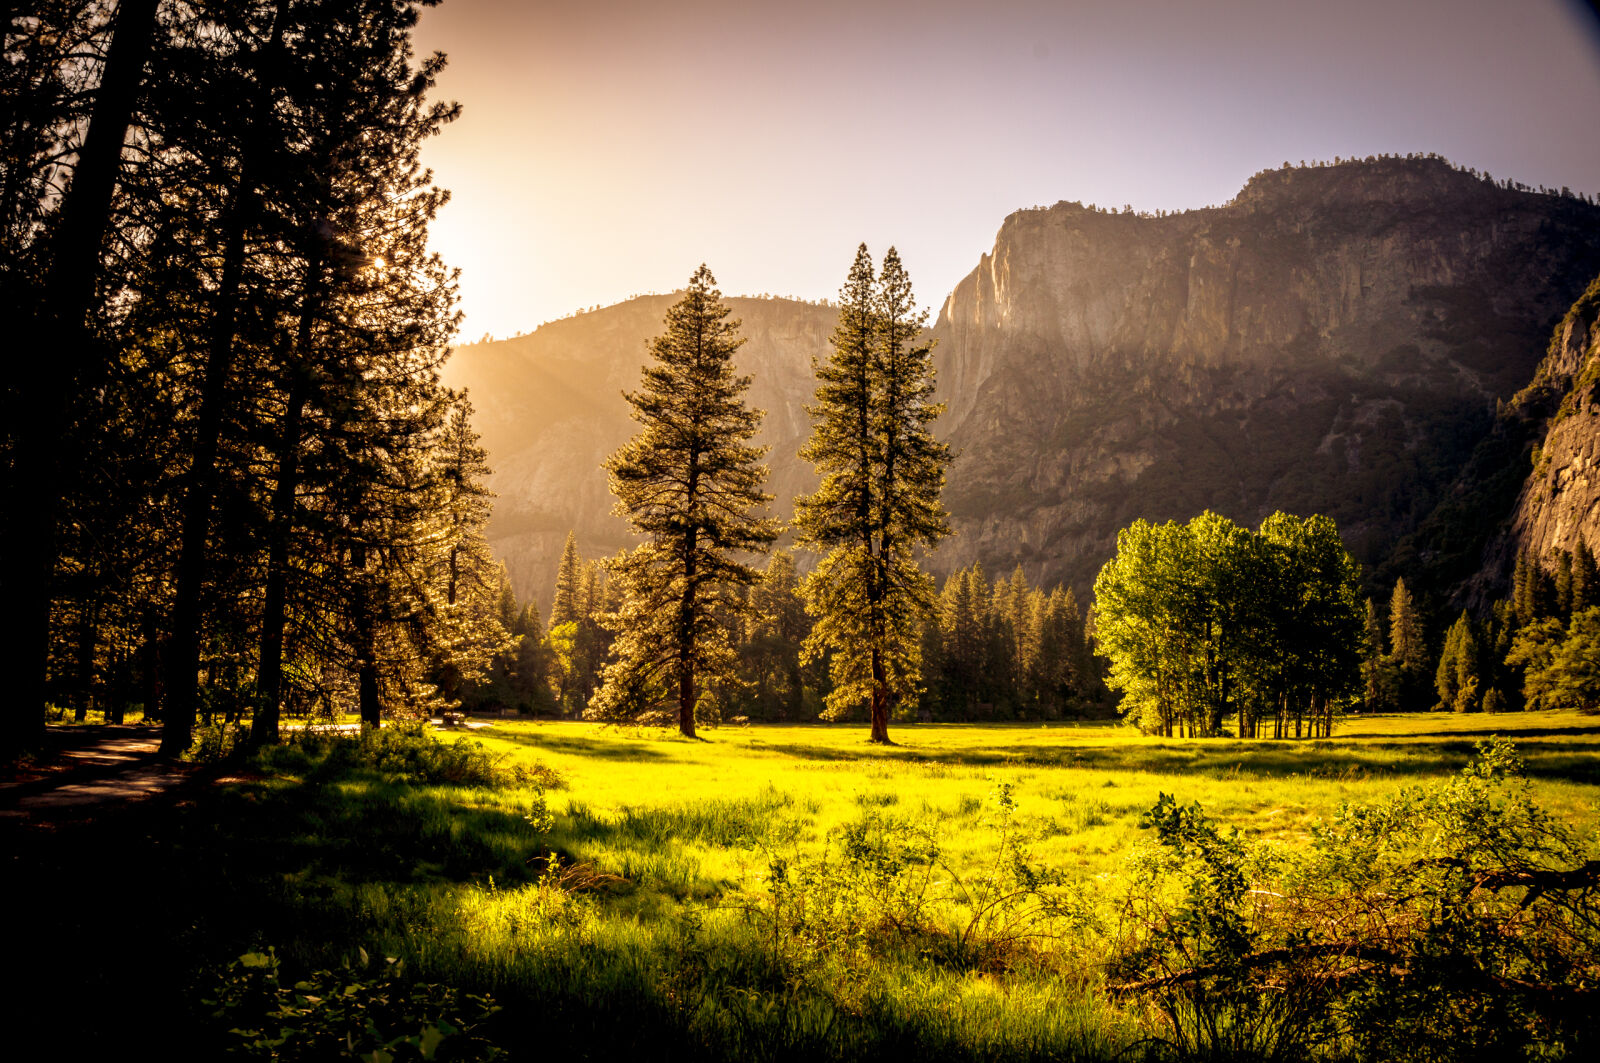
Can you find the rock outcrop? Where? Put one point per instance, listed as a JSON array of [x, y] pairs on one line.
[[1560, 502], [1334, 340]]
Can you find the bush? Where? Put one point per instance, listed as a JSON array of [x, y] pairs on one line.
[[362, 1010], [412, 752], [1452, 921]]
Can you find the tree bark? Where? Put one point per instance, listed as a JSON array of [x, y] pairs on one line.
[[369, 698], [44, 411], [274, 609], [686, 634]]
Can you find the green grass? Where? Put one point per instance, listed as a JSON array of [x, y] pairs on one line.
[[639, 917]]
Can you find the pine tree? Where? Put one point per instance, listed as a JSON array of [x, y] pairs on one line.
[[776, 633], [569, 585], [1563, 584], [881, 472], [1585, 580], [1408, 653], [1372, 671], [690, 482], [1447, 676]]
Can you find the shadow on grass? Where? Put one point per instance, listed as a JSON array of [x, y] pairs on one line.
[[1480, 732], [1546, 759], [608, 748]]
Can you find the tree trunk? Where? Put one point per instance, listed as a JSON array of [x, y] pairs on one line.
[[43, 412], [150, 653], [87, 639], [369, 699], [686, 633], [880, 699], [194, 540], [269, 675]]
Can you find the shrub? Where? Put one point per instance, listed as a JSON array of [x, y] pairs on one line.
[[1452, 921], [361, 1010], [412, 752]]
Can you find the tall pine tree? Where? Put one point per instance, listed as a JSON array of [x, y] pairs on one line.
[[690, 481], [881, 472]]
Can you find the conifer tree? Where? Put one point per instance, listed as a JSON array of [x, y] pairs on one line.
[[881, 472], [1408, 653], [1585, 580], [1372, 670], [569, 585], [1563, 584], [690, 482]]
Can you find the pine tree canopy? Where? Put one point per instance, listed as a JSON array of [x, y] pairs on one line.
[[690, 481], [881, 471]]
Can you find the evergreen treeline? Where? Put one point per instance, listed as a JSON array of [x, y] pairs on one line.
[[1537, 649], [1000, 650], [234, 484]]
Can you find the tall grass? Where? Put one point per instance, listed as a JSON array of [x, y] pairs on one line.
[[634, 912]]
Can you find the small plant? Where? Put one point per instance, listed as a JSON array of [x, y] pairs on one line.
[[214, 742], [362, 1009]]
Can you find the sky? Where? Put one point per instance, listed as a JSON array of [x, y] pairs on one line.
[[608, 147]]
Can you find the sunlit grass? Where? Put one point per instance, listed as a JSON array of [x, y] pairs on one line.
[[635, 918]]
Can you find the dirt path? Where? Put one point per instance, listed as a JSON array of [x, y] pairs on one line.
[[85, 767]]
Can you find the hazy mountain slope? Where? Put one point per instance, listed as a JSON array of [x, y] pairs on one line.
[[550, 409], [1334, 340]]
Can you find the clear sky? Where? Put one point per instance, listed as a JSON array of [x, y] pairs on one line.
[[609, 146]]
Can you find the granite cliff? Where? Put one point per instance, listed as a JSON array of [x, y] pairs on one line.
[[1560, 501], [1333, 340]]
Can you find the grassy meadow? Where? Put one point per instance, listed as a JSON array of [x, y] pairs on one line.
[[768, 892]]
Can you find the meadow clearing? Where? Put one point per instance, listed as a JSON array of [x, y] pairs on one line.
[[767, 892]]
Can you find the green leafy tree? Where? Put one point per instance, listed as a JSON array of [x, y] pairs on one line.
[[690, 482], [1561, 666], [881, 472], [1204, 619]]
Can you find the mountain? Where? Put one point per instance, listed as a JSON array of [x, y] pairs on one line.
[[1336, 339], [549, 410], [1560, 502]]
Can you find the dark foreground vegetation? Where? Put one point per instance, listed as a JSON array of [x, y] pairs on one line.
[[417, 898]]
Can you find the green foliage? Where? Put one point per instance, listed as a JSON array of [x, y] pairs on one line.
[[411, 752], [364, 1010], [1458, 678], [1007, 650], [1205, 620], [1561, 665], [881, 473], [1456, 920]]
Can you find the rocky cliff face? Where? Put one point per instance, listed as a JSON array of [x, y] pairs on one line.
[[550, 410], [1560, 502], [1334, 340]]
